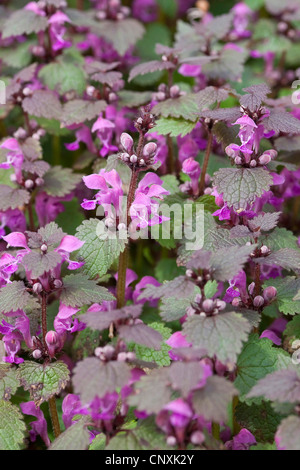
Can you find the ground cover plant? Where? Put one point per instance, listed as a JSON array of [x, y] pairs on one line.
[[150, 225]]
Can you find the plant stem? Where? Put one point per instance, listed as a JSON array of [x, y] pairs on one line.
[[236, 426], [205, 163], [31, 218], [44, 318], [54, 416], [257, 280], [215, 427], [170, 155]]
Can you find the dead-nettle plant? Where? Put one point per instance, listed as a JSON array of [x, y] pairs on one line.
[[149, 225]]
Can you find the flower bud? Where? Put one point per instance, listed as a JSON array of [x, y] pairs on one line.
[[37, 354], [190, 311], [208, 305], [133, 159], [238, 161], [253, 163], [108, 350], [142, 162], [264, 250], [90, 90], [202, 314], [273, 153], [44, 248], [39, 182], [57, 283], [221, 304], [171, 441], [51, 338], [131, 356], [189, 273], [258, 301], [174, 91], [27, 91], [236, 302], [29, 184], [197, 438], [38, 51], [269, 293], [127, 142], [37, 287], [121, 227], [112, 97], [230, 152], [264, 159], [160, 96], [125, 157], [122, 356], [150, 149], [20, 133], [208, 191], [251, 288]]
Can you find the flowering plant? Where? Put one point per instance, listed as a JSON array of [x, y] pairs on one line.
[[149, 225]]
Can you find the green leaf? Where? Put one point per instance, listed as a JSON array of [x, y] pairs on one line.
[[98, 252], [220, 335], [63, 77], [280, 238], [43, 380], [76, 437], [210, 289], [261, 420], [257, 359], [161, 357], [282, 386], [241, 186], [173, 127], [287, 289], [169, 7], [124, 441], [8, 381], [12, 427], [293, 328], [15, 297], [183, 107], [78, 291], [59, 182]]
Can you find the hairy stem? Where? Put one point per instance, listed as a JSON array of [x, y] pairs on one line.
[[44, 317], [30, 216], [215, 427], [54, 416], [205, 162]]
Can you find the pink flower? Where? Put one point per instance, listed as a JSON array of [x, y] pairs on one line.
[[38, 427]]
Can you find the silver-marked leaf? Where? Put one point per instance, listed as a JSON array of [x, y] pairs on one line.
[[101, 320], [282, 386], [15, 297], [78, 111], [8, 381], [221, 335], [282, 121], [288, 434], [185, 376], [177, 288], [32, 149], [51, 235], [255, 96], [229, 66], [125, 441], [219, 26], [141, 334], [98, 253], [59, 182], [149, 67], [241, 186], [264, 222], [240, 231], [173, 309], [76, 437], [122, 34], [109, 78], [212, 401], [92, 377], [43, 380], [12, 427], [23, 22], [229, 115], [78, 290], [43, 104], [145, 399], [41, 263], [11, 198], [226, 263], [285, 258]]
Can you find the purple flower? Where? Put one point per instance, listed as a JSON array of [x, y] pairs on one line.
[[242, 441], [14, 157], [70, 407], [145, 281], [38, 427], [145, 10], [192, 168]]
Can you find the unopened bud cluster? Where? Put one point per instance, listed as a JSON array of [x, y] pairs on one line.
[[112, 353], [113, 10], [245, 160], [205, 307]]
